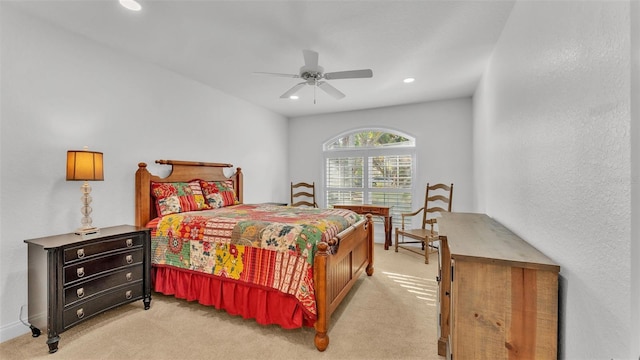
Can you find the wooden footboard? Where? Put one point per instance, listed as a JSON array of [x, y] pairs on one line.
[[335, 274]]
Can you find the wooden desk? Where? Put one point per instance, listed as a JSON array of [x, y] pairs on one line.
[[375, 210]]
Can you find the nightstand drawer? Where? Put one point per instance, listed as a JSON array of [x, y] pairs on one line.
[[86, 269], [85, 310], [96, 248], [86, 290]]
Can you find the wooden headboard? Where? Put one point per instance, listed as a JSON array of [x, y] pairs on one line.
[[180, 171]]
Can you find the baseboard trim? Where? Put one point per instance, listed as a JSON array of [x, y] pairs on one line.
[[13, 330]]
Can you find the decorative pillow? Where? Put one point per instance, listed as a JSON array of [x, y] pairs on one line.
[[219, 193], [178, 197]]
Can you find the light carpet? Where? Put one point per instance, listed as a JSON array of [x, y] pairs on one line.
[[390, 315]]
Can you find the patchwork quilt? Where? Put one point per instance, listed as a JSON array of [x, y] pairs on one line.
[[264, 245]]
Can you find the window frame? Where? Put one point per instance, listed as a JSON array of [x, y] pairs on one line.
[[365, 153]]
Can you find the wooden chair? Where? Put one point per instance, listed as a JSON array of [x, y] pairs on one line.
[[303, 194], [437, 199]]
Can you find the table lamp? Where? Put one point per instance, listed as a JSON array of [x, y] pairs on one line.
[[85, 165]]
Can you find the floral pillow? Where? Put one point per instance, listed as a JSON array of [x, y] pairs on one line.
[[219, 193], [178, 197]]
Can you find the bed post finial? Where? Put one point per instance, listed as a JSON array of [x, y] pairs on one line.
[[142, 194], [239, 185], [321, 339], [370, 243]]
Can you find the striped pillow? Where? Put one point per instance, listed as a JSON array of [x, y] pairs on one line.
[[178, 197], [219, 193]]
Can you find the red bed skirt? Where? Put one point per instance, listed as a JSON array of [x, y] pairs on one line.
[[264, 305]]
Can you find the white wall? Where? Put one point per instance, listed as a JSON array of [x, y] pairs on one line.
[[60, 92], [635, 175], [552, 124], [552, 160], [443, 140]]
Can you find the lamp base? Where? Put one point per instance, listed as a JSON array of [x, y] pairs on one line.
[[88, 232]]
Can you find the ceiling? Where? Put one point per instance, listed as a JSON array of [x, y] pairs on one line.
[[444, 45]]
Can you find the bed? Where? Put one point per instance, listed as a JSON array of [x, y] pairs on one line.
[[293, 282]]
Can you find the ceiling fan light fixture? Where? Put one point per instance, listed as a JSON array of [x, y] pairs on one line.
[[132, 5], [314, 75], [409, 80], [294, 97]]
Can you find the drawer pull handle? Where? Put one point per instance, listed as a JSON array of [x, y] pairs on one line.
[[128, 294], [129, 276], [80, 271], [129, 259], [80, 253], [80, 313], [80, 293], [129, 243]]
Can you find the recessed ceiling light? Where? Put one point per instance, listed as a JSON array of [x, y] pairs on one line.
[[132, 5], [409, 80], [294, 97]]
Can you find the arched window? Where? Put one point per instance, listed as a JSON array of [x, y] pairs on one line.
[[370, 166]]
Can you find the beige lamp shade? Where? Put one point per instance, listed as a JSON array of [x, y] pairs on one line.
[[84, 165]]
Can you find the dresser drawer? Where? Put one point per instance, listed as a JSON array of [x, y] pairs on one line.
[[85, 310], [97, 265], [97, 248], [86, 290]]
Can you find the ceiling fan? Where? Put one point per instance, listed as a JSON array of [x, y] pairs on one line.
[[314, 75]]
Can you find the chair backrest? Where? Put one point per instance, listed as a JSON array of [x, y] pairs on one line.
[[437, 199], [303, 194]]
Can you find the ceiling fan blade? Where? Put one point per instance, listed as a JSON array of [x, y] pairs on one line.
[[310, 58], [326, 87], [276, 74], [350, 74], [293, 90]]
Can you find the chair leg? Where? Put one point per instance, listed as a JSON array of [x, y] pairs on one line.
[[396, 246], [426, 252]]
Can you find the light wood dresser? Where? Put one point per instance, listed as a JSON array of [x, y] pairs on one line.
[[498, 296]]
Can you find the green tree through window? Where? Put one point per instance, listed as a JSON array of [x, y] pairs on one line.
[[369, 139]]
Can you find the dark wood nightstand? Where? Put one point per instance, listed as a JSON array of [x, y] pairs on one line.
[[72, 278]]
